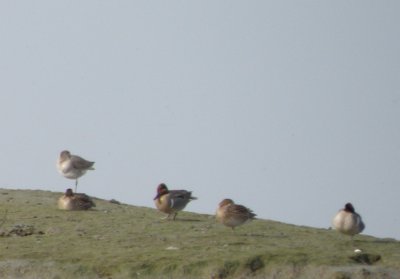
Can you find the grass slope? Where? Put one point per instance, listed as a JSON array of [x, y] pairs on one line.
[[122, 241]]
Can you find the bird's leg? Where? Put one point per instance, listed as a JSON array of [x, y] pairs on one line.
[[353, 242], [76, 185], [165, 217], [176, 213]]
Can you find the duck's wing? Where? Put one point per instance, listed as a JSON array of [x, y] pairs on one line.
[[237, 210], [180, 198], [85, 200], [182, 194], [360, 223]]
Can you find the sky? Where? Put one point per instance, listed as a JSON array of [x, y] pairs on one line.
[[290, 108]]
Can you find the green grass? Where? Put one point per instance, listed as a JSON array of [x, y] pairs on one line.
[[123, 241]]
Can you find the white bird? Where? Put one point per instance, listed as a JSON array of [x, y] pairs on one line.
[[73, 166], [348, 222]]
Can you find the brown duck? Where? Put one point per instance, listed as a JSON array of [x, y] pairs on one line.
[[233, 215], [73, 201]]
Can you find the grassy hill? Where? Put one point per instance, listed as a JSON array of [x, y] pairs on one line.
[[122, 241]]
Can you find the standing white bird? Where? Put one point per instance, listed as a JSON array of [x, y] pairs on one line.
[[347, 221], [73, 166]]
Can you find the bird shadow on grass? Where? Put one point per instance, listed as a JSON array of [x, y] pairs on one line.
[[186, 220], [384, 240], [259, 235]]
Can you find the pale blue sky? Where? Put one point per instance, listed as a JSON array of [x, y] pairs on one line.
[[291, 108]]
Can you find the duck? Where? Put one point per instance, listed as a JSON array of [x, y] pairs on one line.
[[171, 201], [73, 166], [347, 221], [233, 215], [75, 201]]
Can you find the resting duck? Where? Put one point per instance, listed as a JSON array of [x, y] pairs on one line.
[[233, 215], [171, 201], [347, 221], [71, 201]]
